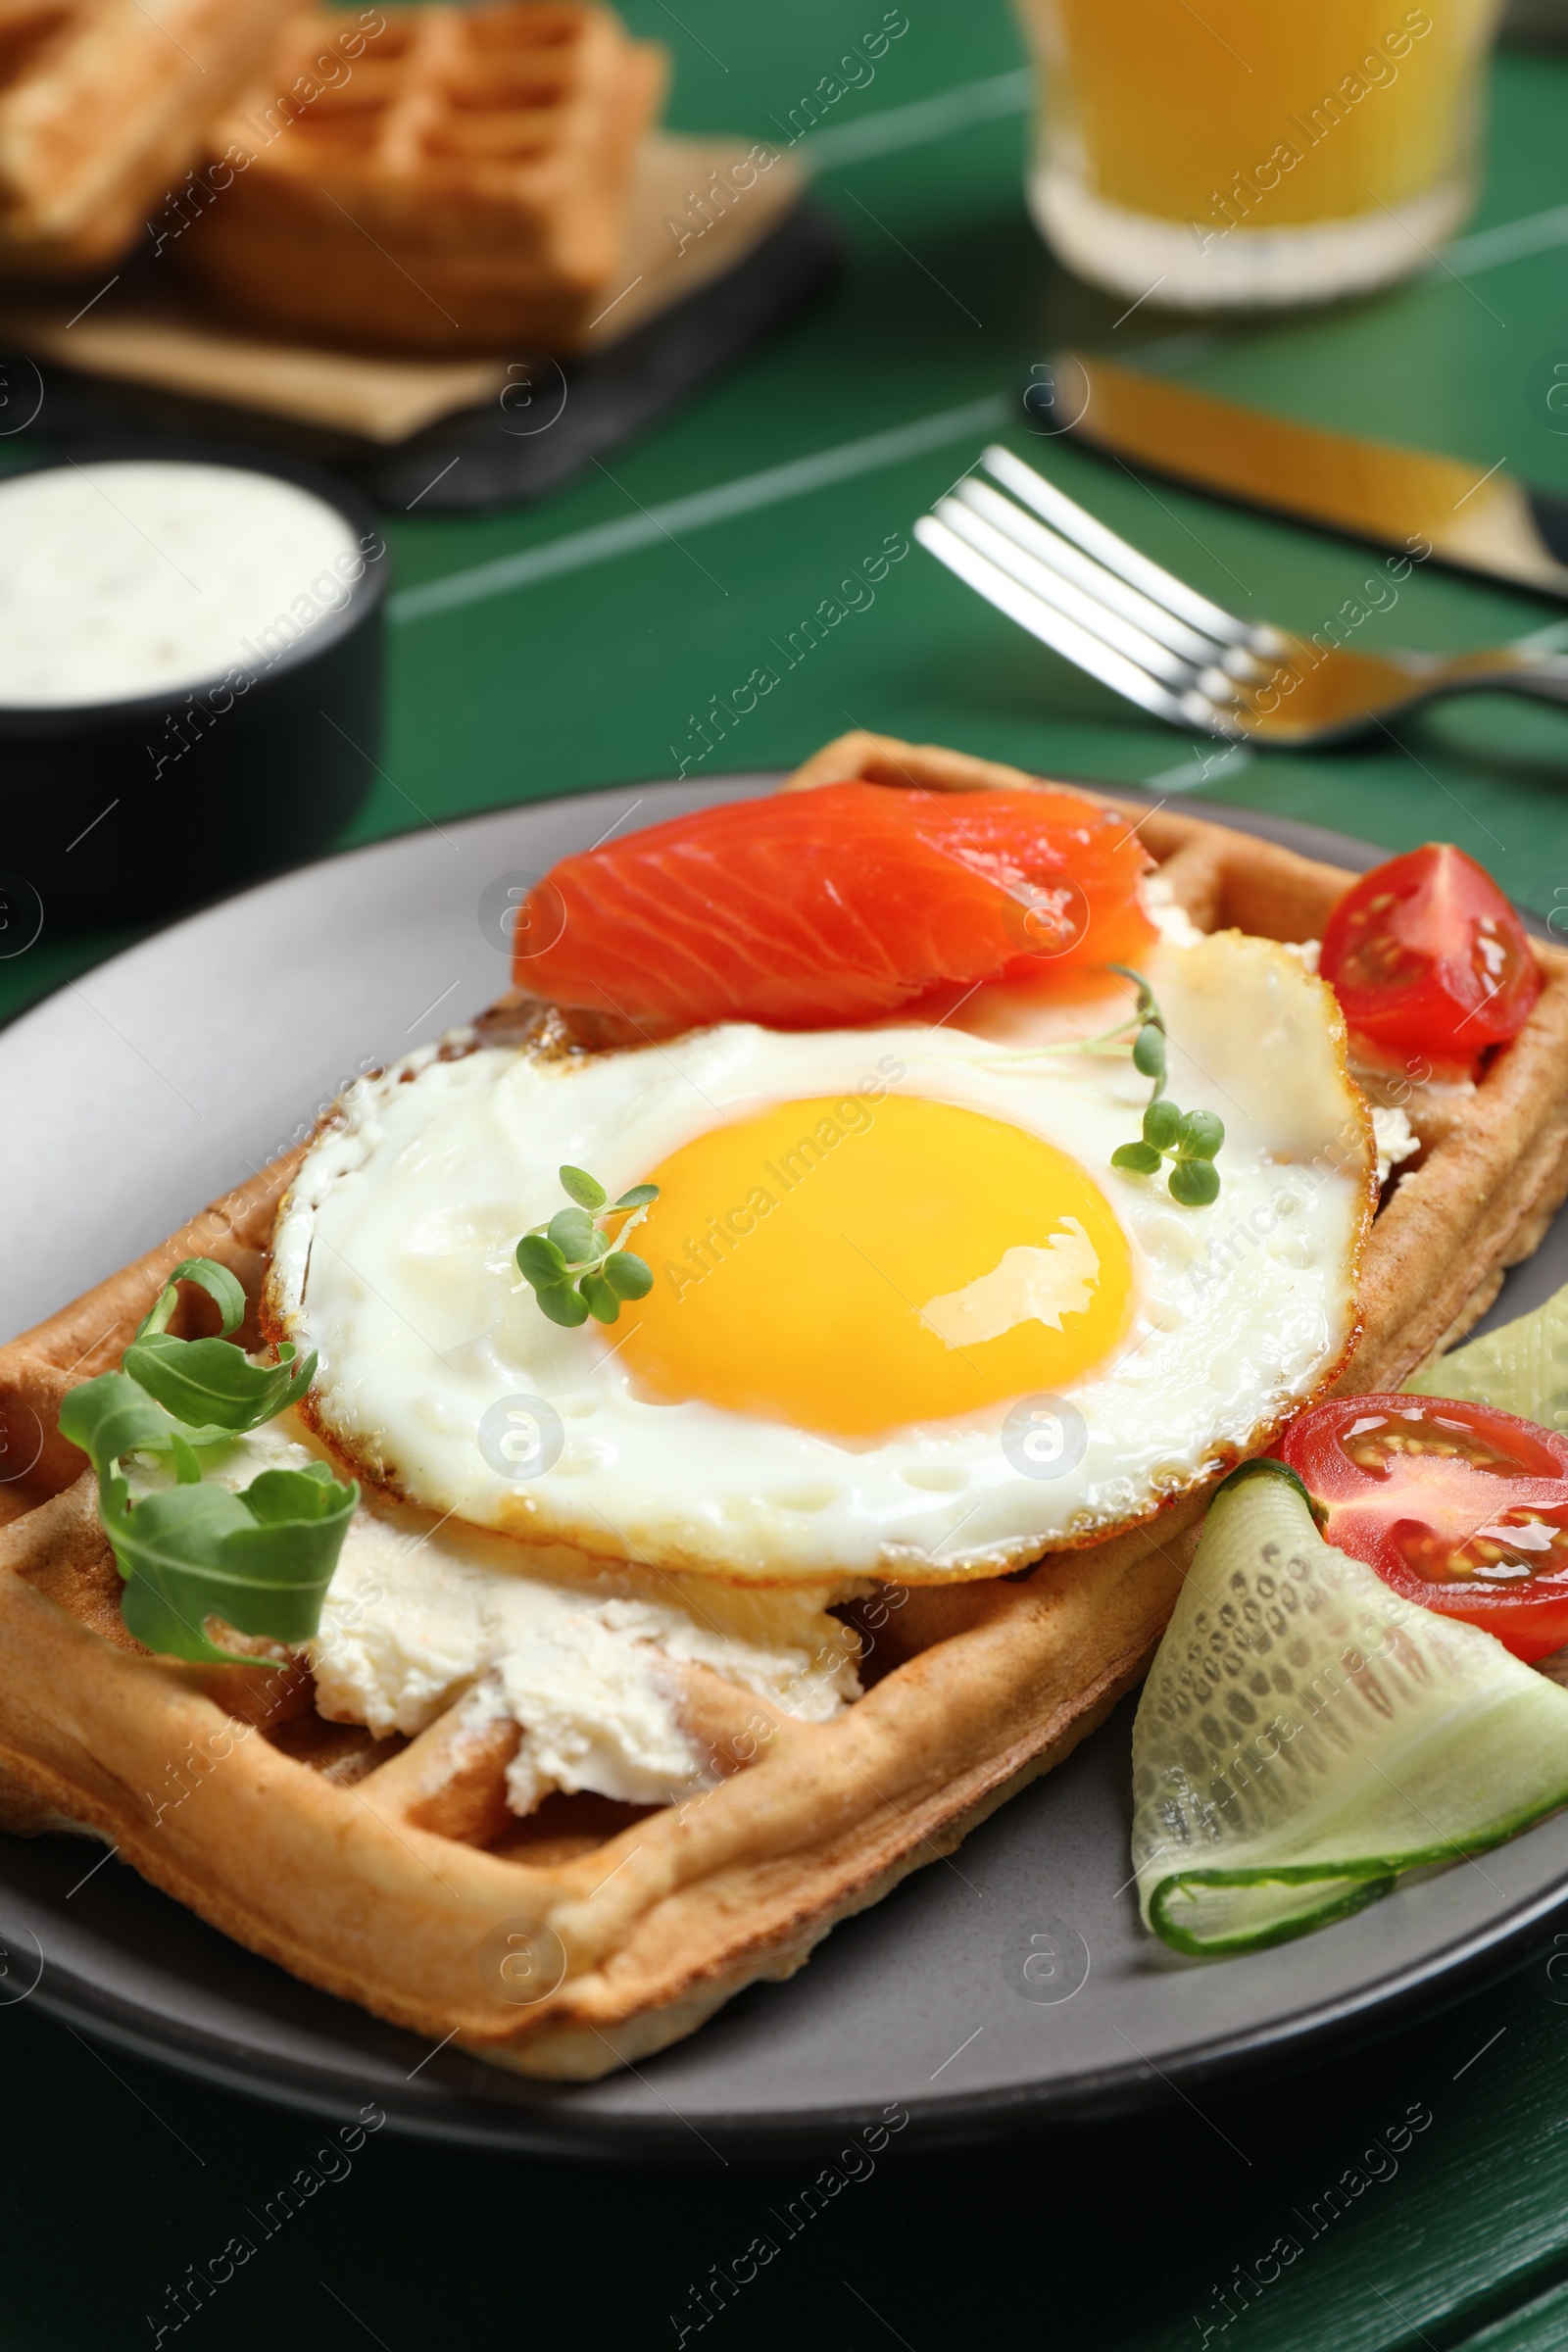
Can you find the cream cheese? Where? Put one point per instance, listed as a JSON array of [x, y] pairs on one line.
[[1395, 1136], [130, 578], [587, 1663], [1165, 912]]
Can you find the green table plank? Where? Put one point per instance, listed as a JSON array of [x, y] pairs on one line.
[[1540, 2325], [589, 671], [1132, 2236]]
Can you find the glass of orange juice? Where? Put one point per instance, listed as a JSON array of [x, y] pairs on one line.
[[1204, 154]]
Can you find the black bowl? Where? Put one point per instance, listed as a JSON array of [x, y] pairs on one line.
[[135, 809]]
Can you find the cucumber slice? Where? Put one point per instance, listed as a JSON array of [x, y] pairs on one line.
[[1306, 1735], [1523, 1368]]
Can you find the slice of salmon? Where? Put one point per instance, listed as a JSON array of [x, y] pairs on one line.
[[825, 908]]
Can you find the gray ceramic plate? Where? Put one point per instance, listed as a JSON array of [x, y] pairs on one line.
[[161, 1080]]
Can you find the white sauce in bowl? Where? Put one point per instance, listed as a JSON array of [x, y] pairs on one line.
[[130, 578]]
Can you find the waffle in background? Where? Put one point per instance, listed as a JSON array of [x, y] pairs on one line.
[[102, 107], [461, 187]]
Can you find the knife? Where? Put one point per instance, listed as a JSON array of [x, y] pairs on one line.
[[1396, 497]]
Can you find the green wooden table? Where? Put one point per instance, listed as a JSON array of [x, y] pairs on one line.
[[578, 645]]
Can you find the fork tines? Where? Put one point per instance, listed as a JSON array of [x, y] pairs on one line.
[[1096, 601]]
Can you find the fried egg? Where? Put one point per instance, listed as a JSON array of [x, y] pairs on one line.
[[907, 1320]]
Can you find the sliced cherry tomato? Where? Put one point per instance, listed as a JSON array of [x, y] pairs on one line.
[[1458, 1507], [1427, 957]]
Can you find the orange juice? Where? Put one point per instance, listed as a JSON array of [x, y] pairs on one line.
[[1244, 151]]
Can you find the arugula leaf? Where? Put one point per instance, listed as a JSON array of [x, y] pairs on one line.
[[211, 1384], [110, 1416], [187, 1462], [217, 1280], [261, 1560]]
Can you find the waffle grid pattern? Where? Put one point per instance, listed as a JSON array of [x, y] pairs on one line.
[[103, 106], [461, 183]]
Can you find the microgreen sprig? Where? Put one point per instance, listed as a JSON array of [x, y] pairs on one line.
[[575, 1268], [1187, 1139]]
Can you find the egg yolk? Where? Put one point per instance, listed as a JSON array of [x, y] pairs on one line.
[[854, 1265]]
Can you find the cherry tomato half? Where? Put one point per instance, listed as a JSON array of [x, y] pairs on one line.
[[1458, 1507], [1427, 957]]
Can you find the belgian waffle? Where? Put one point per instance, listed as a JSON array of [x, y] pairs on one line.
[[460, 184], [589, 1933], [103, 105]]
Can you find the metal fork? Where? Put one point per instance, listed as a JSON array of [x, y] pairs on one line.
[[1073, 584]]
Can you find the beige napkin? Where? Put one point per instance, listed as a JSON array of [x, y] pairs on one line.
[[697, 207]]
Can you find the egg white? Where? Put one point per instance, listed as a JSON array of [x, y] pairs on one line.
[[393, 1258]]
